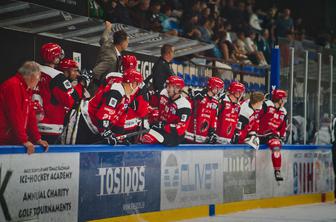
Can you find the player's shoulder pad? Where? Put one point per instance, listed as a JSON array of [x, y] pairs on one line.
[[283, 109], [164, 92], [114, 95], [246, 110], [50, 71], [198, 94], [61, 82], [269, 103], [182, 103]]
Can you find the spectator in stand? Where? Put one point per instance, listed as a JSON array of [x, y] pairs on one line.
[[229, 10], [241, 18], [122, 13], [109, 7], [139, 14], [270, 22], [265, 45], [241, 53], [284, 23], [18, 124], [190, 27], [153, 17], [109, 57], [225, 47], [161, 71], [323, 135], [252, 50], [170, 25], [206, 30]]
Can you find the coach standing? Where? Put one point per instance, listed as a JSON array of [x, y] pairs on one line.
[[18, 125], [109, 57]]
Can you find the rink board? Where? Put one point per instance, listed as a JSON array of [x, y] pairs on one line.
[[155, 183]]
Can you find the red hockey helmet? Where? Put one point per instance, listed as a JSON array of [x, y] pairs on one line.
[[67, 64], [279, 94], [129, 62], [274, 144], [215, 82], [131, 75], [236, 87], [175, 81], [50, 52]]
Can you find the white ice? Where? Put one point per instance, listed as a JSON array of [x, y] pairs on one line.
[[324, 212]]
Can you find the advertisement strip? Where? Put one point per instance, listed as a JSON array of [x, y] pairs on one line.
[[118, 183], [39, 187], [191, 178]]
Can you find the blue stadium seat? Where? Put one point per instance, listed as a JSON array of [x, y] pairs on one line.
[[194, 80], [187, 79], [179, 74], [226, 83], [235, 67]]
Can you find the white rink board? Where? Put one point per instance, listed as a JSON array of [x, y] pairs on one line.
[[191, 178], [42, 187], [304, 172]]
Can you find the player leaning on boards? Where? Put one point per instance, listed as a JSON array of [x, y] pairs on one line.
[[273, 125]]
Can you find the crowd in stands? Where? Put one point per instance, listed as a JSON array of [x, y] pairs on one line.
[[240, 31]]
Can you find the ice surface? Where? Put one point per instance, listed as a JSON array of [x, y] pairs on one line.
[[324, 212]]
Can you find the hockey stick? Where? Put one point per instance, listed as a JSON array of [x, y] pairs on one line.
[[125, 136]]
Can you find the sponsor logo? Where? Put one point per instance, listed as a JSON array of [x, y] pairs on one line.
[[121, 180], [188, 178], [67, 84], [113, 102]]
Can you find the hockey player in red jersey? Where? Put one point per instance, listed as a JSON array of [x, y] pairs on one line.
[[204, 106], [79, 82], [248, 122], [174, 116], [273, 125], [54, 92], [104, 116], [229, 107]]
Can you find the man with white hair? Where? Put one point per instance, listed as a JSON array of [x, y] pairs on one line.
[[18, 125]]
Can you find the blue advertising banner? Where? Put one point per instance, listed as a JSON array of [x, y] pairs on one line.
[[118, 183]]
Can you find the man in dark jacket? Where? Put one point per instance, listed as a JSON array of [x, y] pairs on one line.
[[161, 69], [18, 125]]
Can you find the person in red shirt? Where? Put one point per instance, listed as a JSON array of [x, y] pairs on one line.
[[273, 126], [18, 125], [174, 116], [55, 92], [248, 122], [204, 106], [103, 117], [228, 112]]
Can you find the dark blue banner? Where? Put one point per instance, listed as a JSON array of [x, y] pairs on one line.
[[118, 183]]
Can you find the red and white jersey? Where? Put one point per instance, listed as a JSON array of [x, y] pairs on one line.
[[273, 120], [174, 114], [107, 110], [137, 111], [248, 121], [57, 96], [227, 119], [204, 121]]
